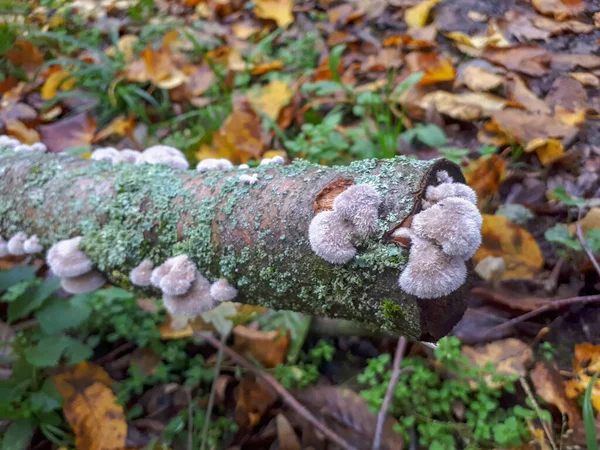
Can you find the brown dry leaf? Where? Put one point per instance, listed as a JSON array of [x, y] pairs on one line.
[[550, 386], [556, 27], [121, 125], [520, 126], [568, 117], [463, 106], [288, 440], [161, 68], [91, 408], [586, 78], [267, 347], [570, 61], [261, 69], [590, 221], [55, 81], [146, 360], [434, 67], [418, 15], [239, 138], [517, 90], [244, 30], [278, 10], [405, 40], [254, 399], [168, 330], [585, 364], [560, 9], [528, 59], [514, 244], [478, 79], [25, 55], [548, 150], [270, 98], [75, 131], [125, 45], [508, 356], [484, 175], [19, 130], [199, 80]]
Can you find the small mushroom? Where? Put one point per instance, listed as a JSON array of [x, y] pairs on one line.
[[197, 300], [66, 259], [359, 204], [214, 164], [175, 276], [222, 291], [129, 156], [248, 179], [164, 154], [32, 245], [16, 244], [142, 274], [330, 237], [275, 160], [105, 154], [82, 284], [8, 142]]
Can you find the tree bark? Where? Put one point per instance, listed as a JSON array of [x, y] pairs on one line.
[[255, 236]]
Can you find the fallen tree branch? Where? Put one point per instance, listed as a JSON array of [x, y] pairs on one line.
[[253, 235], [286, 397]]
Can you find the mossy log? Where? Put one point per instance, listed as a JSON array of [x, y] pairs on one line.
[[255, 236]]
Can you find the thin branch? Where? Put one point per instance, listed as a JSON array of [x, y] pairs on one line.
[[586, 247], [545, 426], [287, 398], [213, 389], [548, 307], [385, 406]]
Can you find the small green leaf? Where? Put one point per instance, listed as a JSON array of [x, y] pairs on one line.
[[18, 435], [297, 323], [455, 155], [588, 416], [15, 275], [32, 299], [47, 399], [61, 315], [334, 61], [77, 351], [559, 234], [322, 88], [408, 82], [47, 352], [431, 135], [562, 196]]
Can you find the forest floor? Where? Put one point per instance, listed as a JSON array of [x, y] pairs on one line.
[[510, 90]]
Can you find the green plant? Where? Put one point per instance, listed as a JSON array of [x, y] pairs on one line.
[[306, 371], [430, 135], [425, 401], [588, 415]]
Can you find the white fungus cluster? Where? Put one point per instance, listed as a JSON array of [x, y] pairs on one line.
[[186, 292], [20, 244], [275, 160], [116, 156], [17, 146], [73, 267], [214, 164], [157, 154], [248, 179], [444, 235], [334, 234]]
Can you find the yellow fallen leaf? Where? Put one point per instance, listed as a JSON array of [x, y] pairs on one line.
[[53, 82], [548, 150], [517, 90], [496, 39], [418, 15], [585, 364], [514, 244], [126, 44], [484, 175], [434, 67], [560, 9], [478, 79], [278, 10], [19, 130], [121, 125], [568, 117], [590, 221], [586, 78], [244, 30], [270, 98], [463, 106], [169, 331]]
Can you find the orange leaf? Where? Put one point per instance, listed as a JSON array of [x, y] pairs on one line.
[[548, 150], [267, 347], [25, 55], [585, 364], [254, 399], [278, 10], [53, 82], [119, 125], [528, 59], [270, 98], [75, 131], [515, 245], [435, 68], [261, 69], [17, 129], [485, 175]]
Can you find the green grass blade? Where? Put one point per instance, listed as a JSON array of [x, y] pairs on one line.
[[588, 416]]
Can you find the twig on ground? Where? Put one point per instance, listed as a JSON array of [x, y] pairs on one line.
[[548, 307], [586, 247], [213, 390], [287, 398], [385, 406], [190, 424], [545, 426]]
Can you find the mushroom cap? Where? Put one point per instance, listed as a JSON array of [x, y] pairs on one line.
[[447, 190], [129, 156], [82, 284], [359, 204], [8, 141], [454, 224], [430, 273], [195, 301], [39, 147], [66, 260], [164, 154], [222, 291], [16, 244], [32, 245], [330, 237], [175, 276], [105, 154], [248, 179], [142, 274], [214, 164]]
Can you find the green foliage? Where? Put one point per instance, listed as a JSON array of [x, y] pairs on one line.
[[306, 371], [425, 401], [430, 135], [563, 197], [560, 234], [454, 154], [588, 416]]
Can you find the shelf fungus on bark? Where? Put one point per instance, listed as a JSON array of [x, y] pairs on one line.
[[16, 244], [175, 276], [32, 245], [214, 164], [141, 275], [164, 154]]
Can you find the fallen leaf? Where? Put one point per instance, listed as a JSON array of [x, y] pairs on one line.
[[560, 9], [557, 27], [585, 364], [568, 117], [161, 68], [25, 55], [270, 98], [484, 175], [514, 244], [586, 78], [548, 150], [418, 15], [244, 30], [261, 69], [508, 356], [278, 10], [267, 347], [91, 408], [75, 131], [145, 360], [126, 46], [121, 125], [568, 93], [254, 400], [463, 106], [435, 68], [478, 79], [19, 130], [549, 385], [55, 81], [570, 61], [528, 59], [590, 221], [496, 39], [517, 90], [169, 329], [198, 80], [288, 440], [405, 40]]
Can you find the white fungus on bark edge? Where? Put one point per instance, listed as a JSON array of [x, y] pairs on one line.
[[142, 274], [9, 142], [66, 259], [330, 238], [214, 164], [359, 204], [82, 284], [248, 179], [16, 244], [197, 300], [275, 160], [164, 154], [222, 291], [175, 276], [32, 245]]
